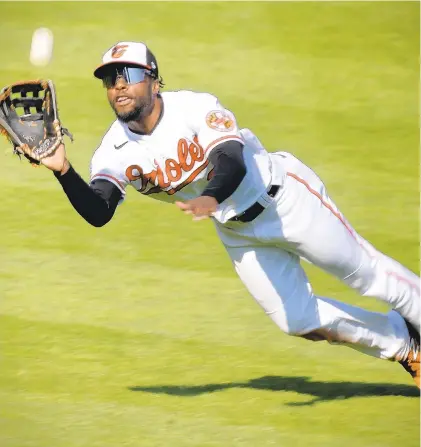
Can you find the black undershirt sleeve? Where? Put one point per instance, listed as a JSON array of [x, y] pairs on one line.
[[96, 203], [229, 170]]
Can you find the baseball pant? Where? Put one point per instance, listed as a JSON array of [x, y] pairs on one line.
[[302, 222]]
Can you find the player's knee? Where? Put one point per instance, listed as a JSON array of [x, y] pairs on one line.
[[293, 328], [301, 329], [304, 329], [292, 322]]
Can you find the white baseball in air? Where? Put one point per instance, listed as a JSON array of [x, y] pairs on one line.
[[41, 47]]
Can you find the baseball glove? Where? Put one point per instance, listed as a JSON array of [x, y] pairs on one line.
[[29, 119]]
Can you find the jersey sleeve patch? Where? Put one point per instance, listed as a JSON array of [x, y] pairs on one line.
[[220, 120]]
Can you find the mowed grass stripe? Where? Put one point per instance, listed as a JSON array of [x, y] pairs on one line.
[[246, 356], [66, 376], [84, 423], [298, 28]]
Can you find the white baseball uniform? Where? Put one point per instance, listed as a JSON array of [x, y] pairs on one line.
[[301, 221]]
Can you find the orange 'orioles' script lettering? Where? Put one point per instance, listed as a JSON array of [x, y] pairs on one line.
[[173, 169]]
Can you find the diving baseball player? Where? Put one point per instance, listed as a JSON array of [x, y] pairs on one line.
[[270, 209]]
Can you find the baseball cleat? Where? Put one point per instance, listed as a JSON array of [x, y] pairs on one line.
[[412, 362]]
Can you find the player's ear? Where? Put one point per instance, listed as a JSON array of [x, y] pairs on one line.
[[155, 87]]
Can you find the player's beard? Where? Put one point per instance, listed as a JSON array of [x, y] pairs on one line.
[[142, 107]]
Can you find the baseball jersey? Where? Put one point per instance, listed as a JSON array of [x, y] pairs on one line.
[[171, 163]]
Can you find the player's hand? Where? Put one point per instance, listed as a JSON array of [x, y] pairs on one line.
[[201, 207], [57, 161]]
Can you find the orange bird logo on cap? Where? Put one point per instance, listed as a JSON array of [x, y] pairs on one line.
[[118, 51]]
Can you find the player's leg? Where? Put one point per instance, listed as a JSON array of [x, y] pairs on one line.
[[313, 227], [276, 280]]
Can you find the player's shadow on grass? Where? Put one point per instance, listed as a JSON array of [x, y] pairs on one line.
[[321, 391]]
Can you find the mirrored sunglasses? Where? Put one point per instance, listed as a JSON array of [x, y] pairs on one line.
[[131, 75]]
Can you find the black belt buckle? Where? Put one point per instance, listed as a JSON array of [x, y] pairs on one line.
[[255, 210]]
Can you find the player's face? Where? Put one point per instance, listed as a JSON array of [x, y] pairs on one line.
[[132, 102]]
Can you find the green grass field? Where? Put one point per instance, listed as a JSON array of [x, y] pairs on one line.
[[139, 333]]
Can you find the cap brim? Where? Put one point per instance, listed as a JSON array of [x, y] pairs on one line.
[[98, 70]]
